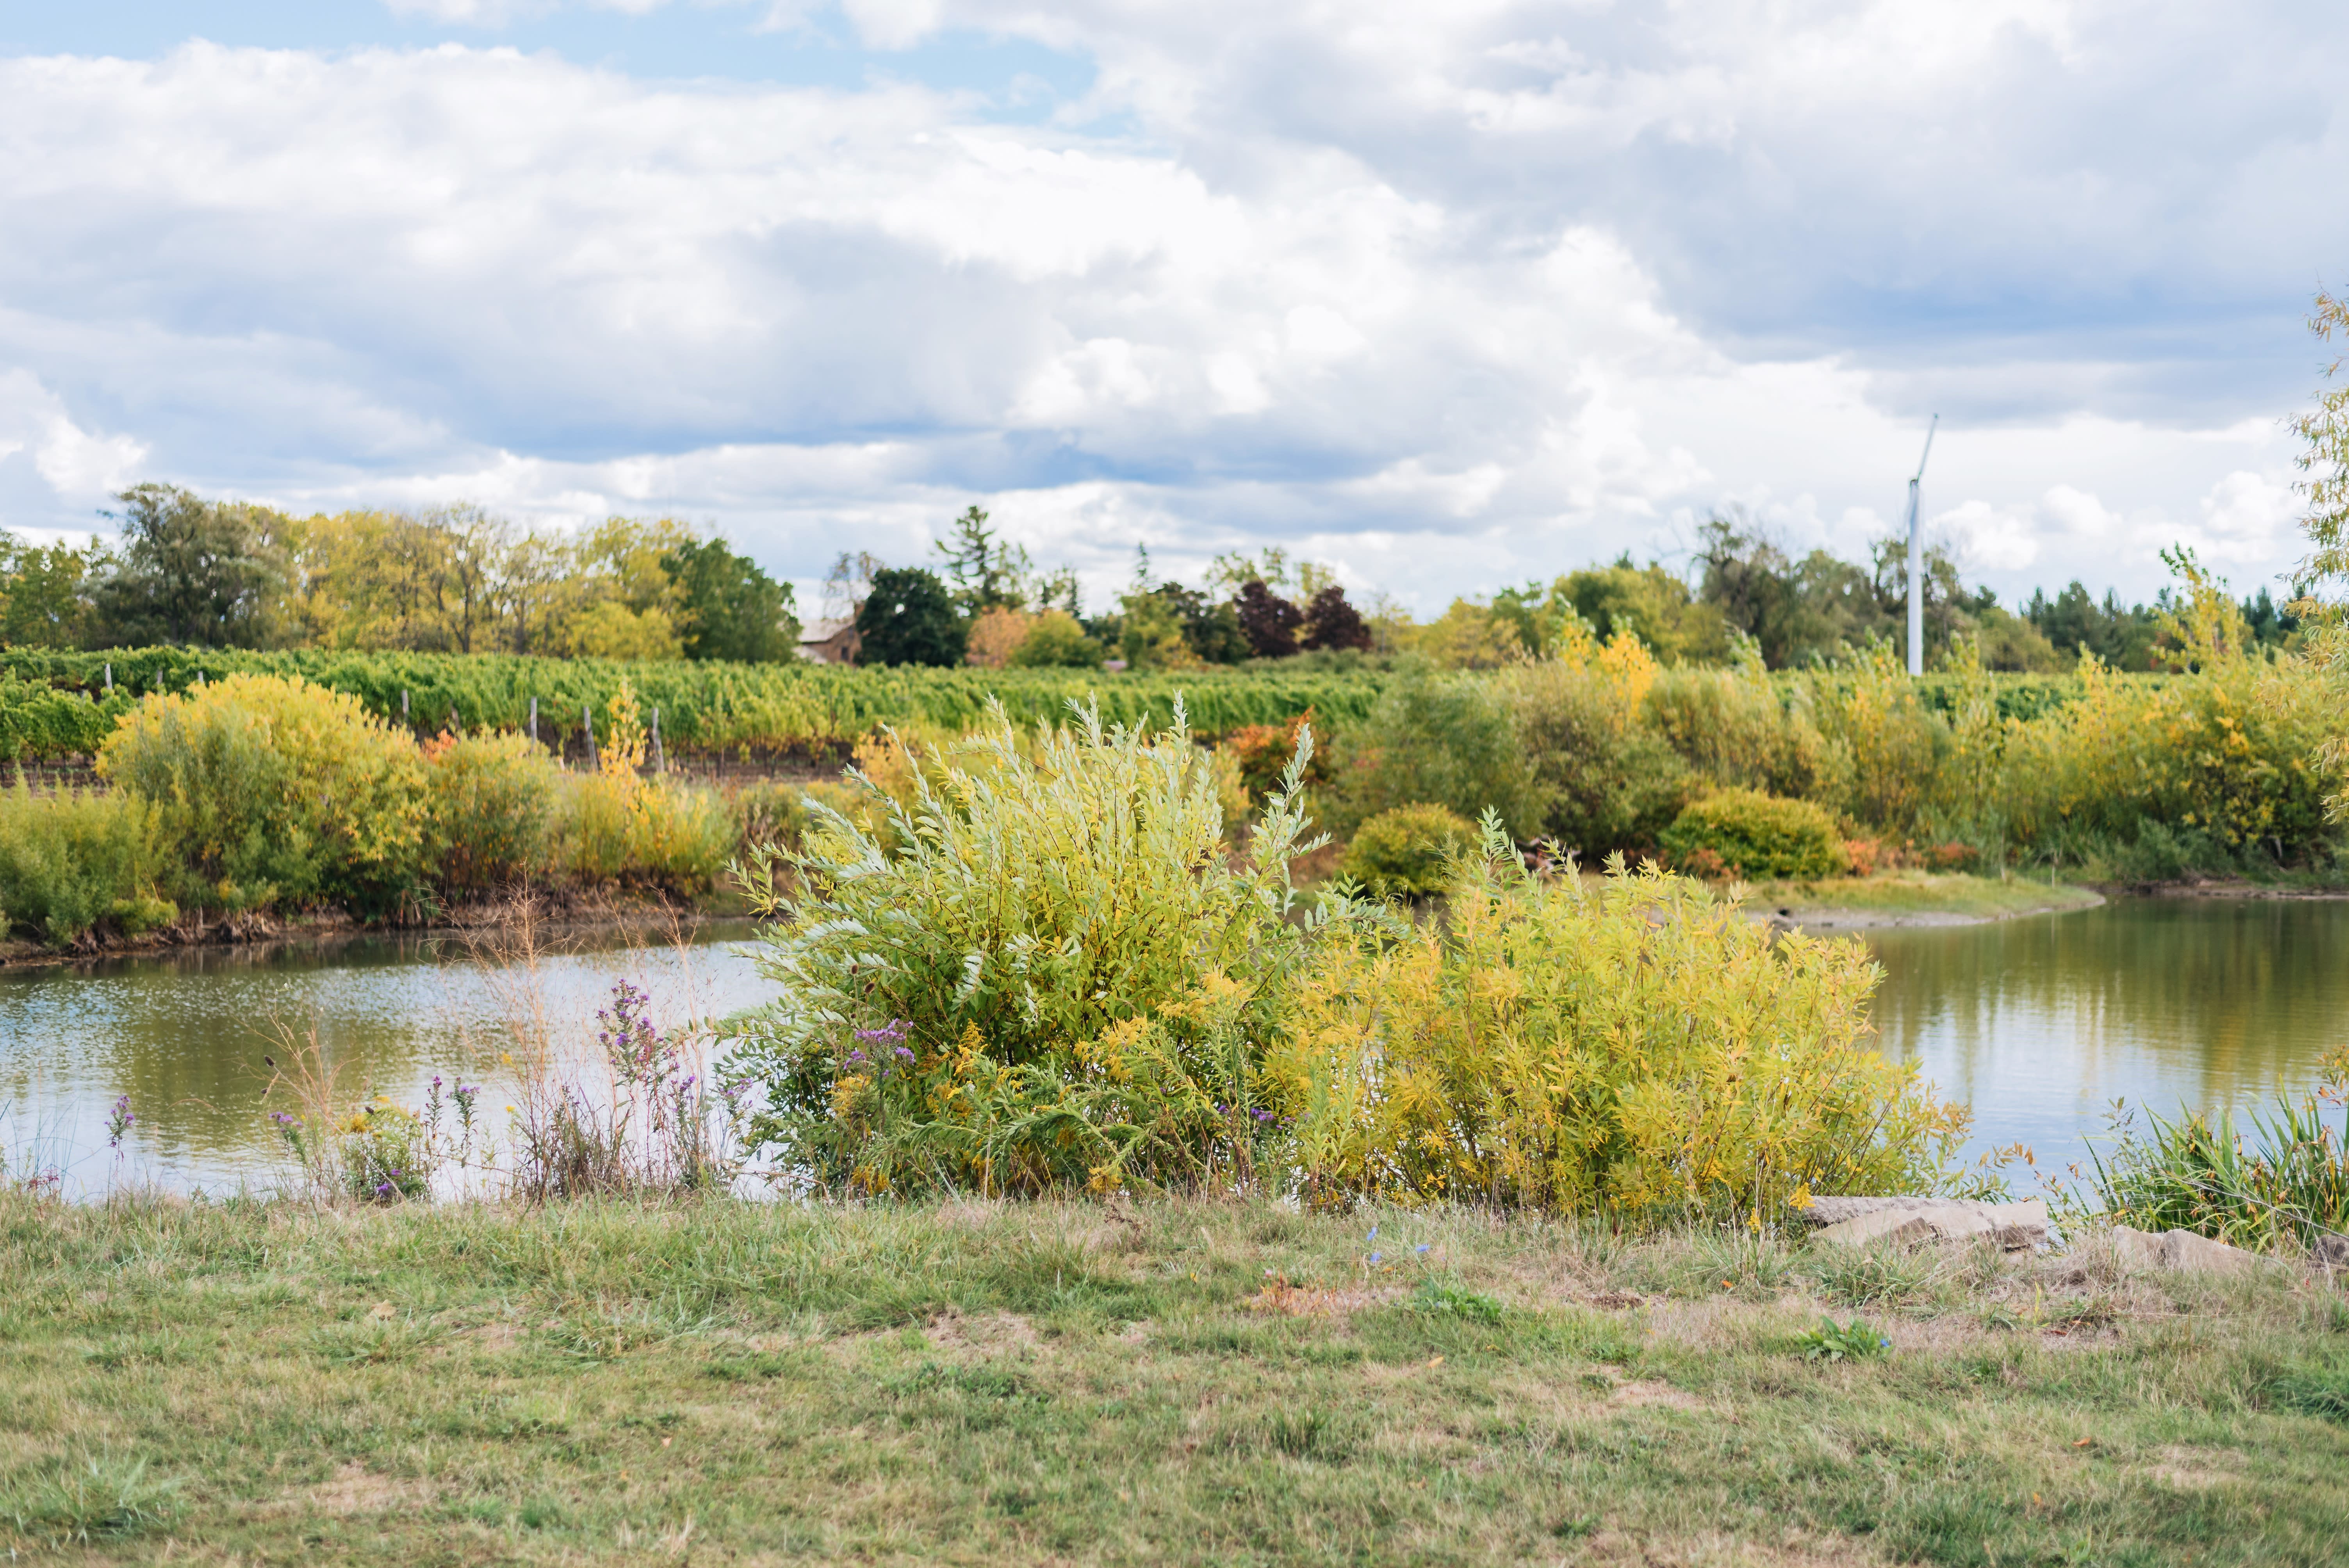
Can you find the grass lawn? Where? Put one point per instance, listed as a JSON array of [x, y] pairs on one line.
[[1922, 897], [1200, 1383]]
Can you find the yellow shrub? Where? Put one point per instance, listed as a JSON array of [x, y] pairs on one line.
[[274, 789], [1633, 1047]]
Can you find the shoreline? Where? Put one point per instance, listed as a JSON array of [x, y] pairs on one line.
[[324, 931], [1911, 900]]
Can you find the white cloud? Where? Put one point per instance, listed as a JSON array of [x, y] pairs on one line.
[[1458, 293]]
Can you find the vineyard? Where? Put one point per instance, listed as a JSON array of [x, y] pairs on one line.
[[60, 704], [57, 703]]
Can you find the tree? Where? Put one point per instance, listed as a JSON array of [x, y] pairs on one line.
[[908, 618], [988, 574], [44, 598], [1269, 621], [2325, 460], [1333, 624], [730, 609], [1055, 641], [193, 572]]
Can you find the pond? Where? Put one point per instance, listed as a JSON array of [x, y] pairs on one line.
[[2038, 1022], [181, 1036]]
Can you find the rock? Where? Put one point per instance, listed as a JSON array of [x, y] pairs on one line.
[[2331, 1250], [1858, 1222], [1914, 1221], [2182, 1250]]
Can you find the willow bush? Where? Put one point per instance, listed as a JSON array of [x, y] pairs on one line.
[[1634, 1046], [274, 791], [1046, 968]]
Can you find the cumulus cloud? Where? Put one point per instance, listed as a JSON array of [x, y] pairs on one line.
[[1451, 295]]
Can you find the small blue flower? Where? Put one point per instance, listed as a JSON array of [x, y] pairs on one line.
[[1374, 1233], [1374, 1257], [1421, 1248]]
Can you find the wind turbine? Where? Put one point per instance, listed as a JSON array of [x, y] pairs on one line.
[[1917, 562]]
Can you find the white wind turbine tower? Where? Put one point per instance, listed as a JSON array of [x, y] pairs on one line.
[[1917, 562]]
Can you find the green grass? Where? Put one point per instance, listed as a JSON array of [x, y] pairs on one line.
[[974, 1383], [1892, 895]]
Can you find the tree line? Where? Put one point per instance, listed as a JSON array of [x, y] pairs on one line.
[[192, 572]]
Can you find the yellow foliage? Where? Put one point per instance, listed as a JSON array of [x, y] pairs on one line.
[[1634, 1046]]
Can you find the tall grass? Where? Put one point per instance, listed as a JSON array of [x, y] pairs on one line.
[[2279, 1182]]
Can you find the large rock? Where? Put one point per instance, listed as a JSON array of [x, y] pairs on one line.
[[1914, 1221], [2184, 1250], [2331, 1250]]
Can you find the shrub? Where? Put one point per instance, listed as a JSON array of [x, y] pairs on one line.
[[653, 832], [1054, 640], [1749, 835], [1051, 971], [489, 810], [1407, 853], [1632, 1047], [1262, 752], [273, 790], [67, 862], [1607, 781], [1440, 739]]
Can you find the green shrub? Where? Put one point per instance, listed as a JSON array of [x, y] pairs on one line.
[[68, 861], [274, 791], [1607, 781], [489, 810], [1746, 834], [1057, 642], [1435, 738], [1407, 853], [1634, 1047], [1049, 972]]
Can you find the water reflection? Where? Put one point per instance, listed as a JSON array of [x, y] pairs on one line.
[[2038, 1022], [183, 1034], [2041, 1023]]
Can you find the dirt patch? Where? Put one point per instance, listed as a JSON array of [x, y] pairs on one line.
[[354, 1489], [1618, 1301], [989, 1332], [1287, 1300], [1616, 1547], [1646, 1393], [2192, 1470]]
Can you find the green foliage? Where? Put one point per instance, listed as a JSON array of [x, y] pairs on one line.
[[68, 861], [1051, 971], [1056, 641], [2283, 1181], [2322, 1392], [92, 1497], [43, 593], [1744, 833], [193, 571], [1446, 1299], [908, 618], [1407, 851], [730, 609], [1832, 1341], [1435, 738], [44, 711], [275, 790], [489, 810], [1634, 1047], [1607, 781]]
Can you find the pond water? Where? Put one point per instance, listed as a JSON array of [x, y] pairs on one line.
[[2038, 1022], [182, 1037]]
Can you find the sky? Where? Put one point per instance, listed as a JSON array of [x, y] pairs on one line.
[[1452, 297]]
